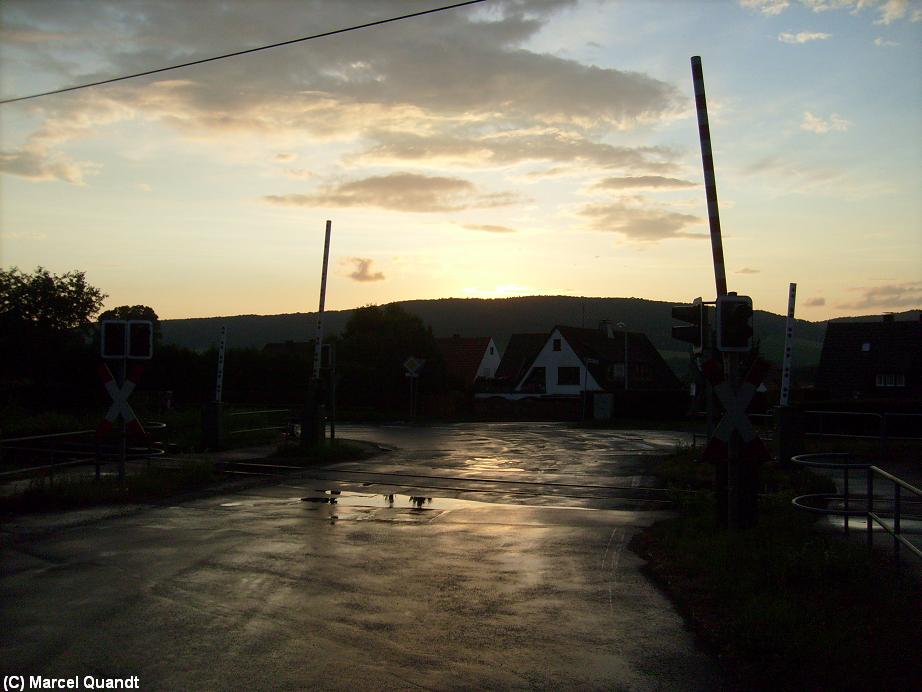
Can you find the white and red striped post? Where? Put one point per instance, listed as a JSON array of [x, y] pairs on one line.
[[788, 348], [219, 384], [312, 430], [710, 183]]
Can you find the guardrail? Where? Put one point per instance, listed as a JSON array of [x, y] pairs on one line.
[[263, 412], [846, 462], [884, 428], [898, 485], [65, 450]]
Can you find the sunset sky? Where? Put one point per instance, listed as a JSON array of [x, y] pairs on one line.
[[510, 148]]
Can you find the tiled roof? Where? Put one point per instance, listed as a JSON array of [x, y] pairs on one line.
[[518, 356], [595, 344], [463, 356]]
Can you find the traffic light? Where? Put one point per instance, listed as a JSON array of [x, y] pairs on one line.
[[696, 324], [127, 339], [140, 339], [734, 323], [114, 338]]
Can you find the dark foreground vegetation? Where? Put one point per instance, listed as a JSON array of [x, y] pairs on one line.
[[786, 605]]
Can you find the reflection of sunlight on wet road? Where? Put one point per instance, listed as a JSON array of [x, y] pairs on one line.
[[517, 447]]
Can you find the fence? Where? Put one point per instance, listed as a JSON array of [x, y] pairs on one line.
[[846, 462], [44, 455], [282, 421]]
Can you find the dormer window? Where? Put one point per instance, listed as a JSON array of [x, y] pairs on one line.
[[890, 380]]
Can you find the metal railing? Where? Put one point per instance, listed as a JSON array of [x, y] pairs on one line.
[[847, 462], [883, 432], [262, 412], [896, 530], [65, 450]]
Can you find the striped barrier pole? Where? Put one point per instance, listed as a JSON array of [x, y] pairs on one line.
[[710, 184]]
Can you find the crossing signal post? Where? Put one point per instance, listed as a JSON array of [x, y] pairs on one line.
[[694, 331], [734, 323], [121, 340]]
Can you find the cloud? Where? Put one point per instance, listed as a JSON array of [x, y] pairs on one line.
[[802, 37], [510, 147], [813, 123], [639, 223], [883, 43], [363, 270], [37, 163], [815, 302], [769, 7], [794, 174], [462, 64], [285, 157], [639, 182], [488, 228], [400, 192], [748, 270], [37, 158], [888, 11], [908, 294]]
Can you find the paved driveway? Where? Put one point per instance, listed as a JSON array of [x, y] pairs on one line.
[[398, 584]]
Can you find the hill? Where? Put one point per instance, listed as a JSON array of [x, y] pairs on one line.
[[500, 317]]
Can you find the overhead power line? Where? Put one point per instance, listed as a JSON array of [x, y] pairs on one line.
[[242, 52]]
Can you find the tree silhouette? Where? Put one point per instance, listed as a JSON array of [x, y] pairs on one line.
[[44, 321], [134, 312]]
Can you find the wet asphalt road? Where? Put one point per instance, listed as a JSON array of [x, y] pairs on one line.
[[515, 575]]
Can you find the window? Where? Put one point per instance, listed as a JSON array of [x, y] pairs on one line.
[[491, 350], [556, 344], [568, 375], [890, 380]]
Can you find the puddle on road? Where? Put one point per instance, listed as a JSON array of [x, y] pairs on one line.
[[345, 498]]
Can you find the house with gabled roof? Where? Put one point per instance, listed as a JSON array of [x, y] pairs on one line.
[[872, 361], [468, 359], [578, 363]]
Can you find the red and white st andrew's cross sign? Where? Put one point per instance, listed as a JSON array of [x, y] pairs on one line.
[[735, 404], [119, 397]]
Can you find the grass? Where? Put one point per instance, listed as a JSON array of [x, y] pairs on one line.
[[785, 605], [75, 492], [327, 452]]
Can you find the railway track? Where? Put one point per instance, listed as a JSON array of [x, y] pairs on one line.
[[657, 498]]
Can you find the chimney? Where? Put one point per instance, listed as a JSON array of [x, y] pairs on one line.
[[605, 328]]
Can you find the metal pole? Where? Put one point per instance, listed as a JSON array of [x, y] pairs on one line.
[[332, 391], [870, 506], [318, 343], [788, 348], [846, 497], [311, 431], [122, 436], [623, 328], [710, 184], [219, 385], [896, 520]]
